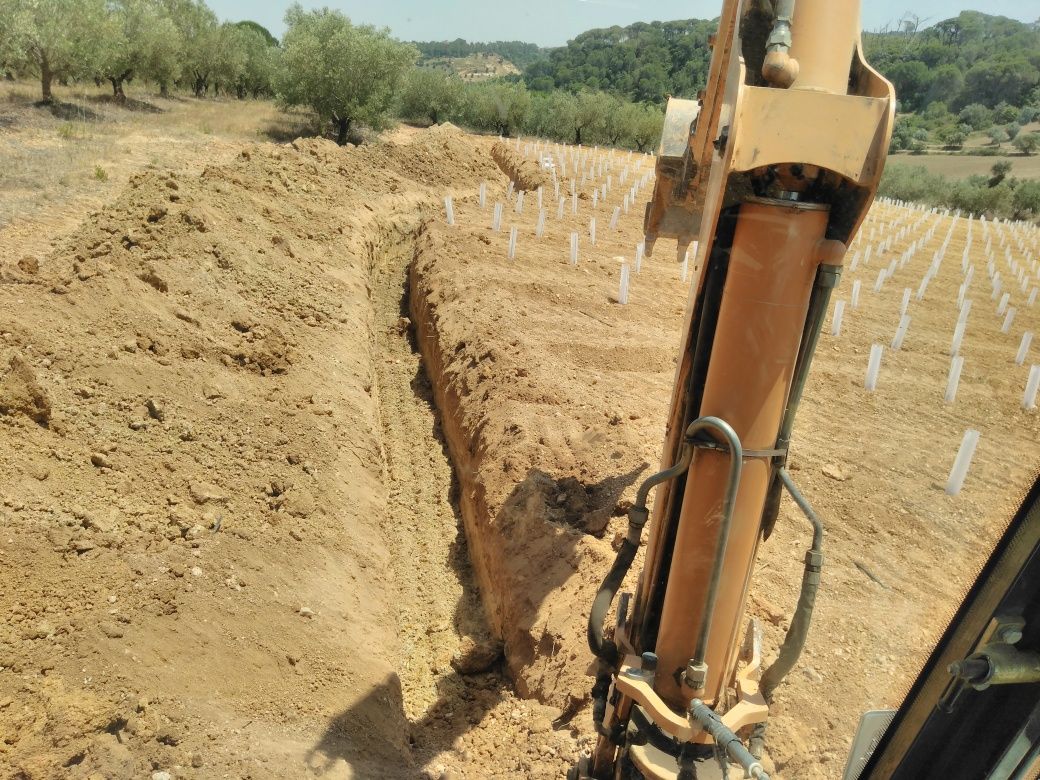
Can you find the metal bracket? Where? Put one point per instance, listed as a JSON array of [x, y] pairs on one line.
[[708, 444]]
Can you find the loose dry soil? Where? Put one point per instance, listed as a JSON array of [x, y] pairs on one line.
[[248, 408]]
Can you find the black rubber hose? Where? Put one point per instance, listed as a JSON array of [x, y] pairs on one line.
[[794, 641], [637, 517], [600, 691], [606, 650], [799, 630]]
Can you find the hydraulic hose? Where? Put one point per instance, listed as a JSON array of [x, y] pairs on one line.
[[725, 738], [794, 641], [827, 277], [607, 650], [637, 516]]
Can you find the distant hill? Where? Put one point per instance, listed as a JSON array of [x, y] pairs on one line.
[[474, 67], [518, 53], [971, 58]]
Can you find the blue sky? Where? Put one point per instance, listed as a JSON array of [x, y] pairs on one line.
[[552, 22]]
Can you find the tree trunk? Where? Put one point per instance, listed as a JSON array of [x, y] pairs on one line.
[[199, 87], [241, 90], [577, 136], [342, 128], [46, 77], [164, 89], [433, 115], [117, 88]]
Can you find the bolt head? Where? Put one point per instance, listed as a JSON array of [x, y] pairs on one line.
[[1010, 634]]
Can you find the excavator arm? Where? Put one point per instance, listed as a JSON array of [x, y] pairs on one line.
[[763, 181]]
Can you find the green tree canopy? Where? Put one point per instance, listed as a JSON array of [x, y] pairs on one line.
[[55, 38], [498, 106], [140, 40], [429, 94], [346, 73], [200, 31], [264, 33], [1027, 143]]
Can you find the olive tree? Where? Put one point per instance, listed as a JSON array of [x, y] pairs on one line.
[[430, 94], [618, 121], [647, 127], [140, 40], [499, 106], [54, 38], [1027, 143], [201, 36], [258, 63], [346, 73], [590, 115]]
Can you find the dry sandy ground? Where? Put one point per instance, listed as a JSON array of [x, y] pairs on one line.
[[62, 161], [230, 539], [229, 546]]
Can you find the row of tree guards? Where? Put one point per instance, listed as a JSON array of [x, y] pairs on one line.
[[589, 166], [1011, 266], [1018, 242]]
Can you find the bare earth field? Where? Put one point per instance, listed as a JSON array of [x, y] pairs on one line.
[[960, 166], [248, 407]]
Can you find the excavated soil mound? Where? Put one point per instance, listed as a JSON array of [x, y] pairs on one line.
[[224, 551], [526, 174]]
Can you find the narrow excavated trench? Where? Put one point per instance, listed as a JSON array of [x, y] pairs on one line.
[[465, 719], [441, 624]]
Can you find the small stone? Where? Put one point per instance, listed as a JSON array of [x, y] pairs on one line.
[[41, 630], [155, 409], [161, 776], [99, 460], [196, 760], [306, 612], [138, 425], [110, 629], [541, 725], [83, 545], [812, 674], [204, 493], [196, 571], [832, 471]]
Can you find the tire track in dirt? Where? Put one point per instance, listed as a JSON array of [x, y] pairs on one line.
[[466, 722], [440, 617]]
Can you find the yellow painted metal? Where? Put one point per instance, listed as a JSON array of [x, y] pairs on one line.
[[830, 126], [772, 267], [810, 128]]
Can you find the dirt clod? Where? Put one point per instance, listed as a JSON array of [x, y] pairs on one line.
[[476, 655], [21, 393]]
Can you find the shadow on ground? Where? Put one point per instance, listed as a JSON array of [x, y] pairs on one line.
[[374, 736], [69, 111], [130, 104]]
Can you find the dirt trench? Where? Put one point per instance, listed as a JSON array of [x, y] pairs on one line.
[[454, 687]]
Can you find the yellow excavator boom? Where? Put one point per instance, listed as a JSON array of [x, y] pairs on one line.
[[763, 181]]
